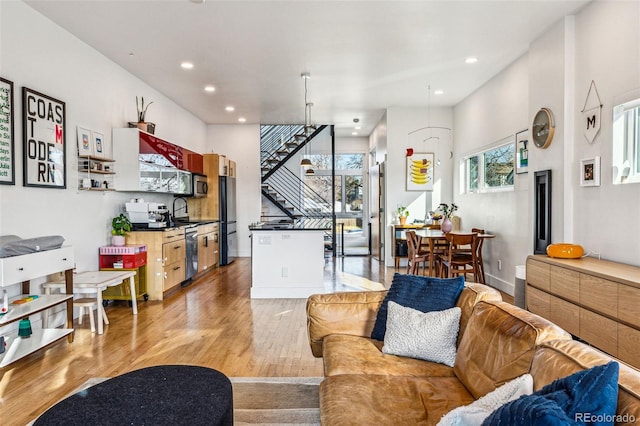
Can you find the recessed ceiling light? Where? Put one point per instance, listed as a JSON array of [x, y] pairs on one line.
[[242, 120], [471, 60], [209, 89], [357, 127], [229, 108], [187, 65], [438, 92], [354, 133]]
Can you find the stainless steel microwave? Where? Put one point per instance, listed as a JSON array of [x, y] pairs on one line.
[[200, 187]]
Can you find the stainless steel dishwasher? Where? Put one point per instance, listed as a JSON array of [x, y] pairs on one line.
[[191, 237]]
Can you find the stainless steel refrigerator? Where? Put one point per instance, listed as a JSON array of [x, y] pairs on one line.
[[228, 235]]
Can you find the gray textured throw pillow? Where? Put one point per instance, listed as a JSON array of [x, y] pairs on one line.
[[430, 336]]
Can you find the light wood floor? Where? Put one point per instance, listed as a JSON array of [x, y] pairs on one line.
[[212, 322]]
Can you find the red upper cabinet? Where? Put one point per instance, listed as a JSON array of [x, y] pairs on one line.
[[179, 157], [193, 161]]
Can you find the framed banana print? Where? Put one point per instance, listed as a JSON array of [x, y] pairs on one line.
[[7, 154], [420, 172], [44, 140]]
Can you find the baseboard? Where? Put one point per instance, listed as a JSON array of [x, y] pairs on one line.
[[501, 285]]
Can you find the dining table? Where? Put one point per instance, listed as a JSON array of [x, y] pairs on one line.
[[433, 236]]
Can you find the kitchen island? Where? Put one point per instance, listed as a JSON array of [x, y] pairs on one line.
[[287, 260]]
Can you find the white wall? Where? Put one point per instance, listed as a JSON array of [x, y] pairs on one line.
[[100, 95], [241, 143], [399, 123], [497, 110], [607, 52], [601, 43]]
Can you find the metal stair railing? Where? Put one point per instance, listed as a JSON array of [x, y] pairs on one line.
[[273, 161], [284, 188], [275, 137], [294, 192]]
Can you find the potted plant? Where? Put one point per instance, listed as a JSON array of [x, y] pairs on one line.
[[142, 112], [403, 212], [120, 227], [447, 210]]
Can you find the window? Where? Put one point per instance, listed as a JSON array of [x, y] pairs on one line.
[[348, 181], [343, 161], [626, 142], [490, 170]]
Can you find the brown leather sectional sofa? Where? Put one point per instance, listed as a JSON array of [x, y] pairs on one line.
[[497, 342]]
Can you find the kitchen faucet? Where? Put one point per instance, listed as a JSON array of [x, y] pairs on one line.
[[185, 208]]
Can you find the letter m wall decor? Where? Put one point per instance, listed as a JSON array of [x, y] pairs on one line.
[[44, 140]]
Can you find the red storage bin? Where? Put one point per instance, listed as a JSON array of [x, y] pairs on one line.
[[131, 256]]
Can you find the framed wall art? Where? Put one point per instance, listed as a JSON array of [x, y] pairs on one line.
[[44, 140], [7, 153], [522, 151], [98, 144], [590, 172], [420, 172], [85, 142]]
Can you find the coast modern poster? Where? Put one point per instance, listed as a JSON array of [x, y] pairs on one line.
[[44, 140]]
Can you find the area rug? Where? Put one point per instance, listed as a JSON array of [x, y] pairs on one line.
[[267, 401]]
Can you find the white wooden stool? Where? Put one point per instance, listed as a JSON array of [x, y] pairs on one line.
[[61, 288], [88, 303]]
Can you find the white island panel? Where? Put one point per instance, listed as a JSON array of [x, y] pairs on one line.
[[287, 263]]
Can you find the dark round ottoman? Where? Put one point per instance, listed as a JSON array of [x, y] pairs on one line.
[[162, 395]]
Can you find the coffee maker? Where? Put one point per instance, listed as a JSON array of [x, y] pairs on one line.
[[147, 215]]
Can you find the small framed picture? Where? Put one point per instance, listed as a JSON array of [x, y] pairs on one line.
[[590, 172], [98, 144], [85, 142], [522, 151]]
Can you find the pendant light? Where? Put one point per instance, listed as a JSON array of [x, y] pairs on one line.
[[301, 137], [309, 170]]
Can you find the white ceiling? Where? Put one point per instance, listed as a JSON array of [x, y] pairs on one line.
[[363, 56]]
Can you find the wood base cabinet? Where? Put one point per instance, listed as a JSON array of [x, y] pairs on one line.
[[166, 253], [208, 246], [597, 301]]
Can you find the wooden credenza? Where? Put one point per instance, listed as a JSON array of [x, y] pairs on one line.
[[597, 301]]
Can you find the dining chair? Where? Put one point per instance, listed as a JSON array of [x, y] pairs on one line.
[[479, 261], [415, 255], [460, 258]]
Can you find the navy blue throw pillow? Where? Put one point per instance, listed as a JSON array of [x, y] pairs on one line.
[[586, 397], [425, 294]]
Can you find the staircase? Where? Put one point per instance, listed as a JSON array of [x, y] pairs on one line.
[[284, 188]]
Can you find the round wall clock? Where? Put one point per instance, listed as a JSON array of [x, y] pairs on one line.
[[543, 128]]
